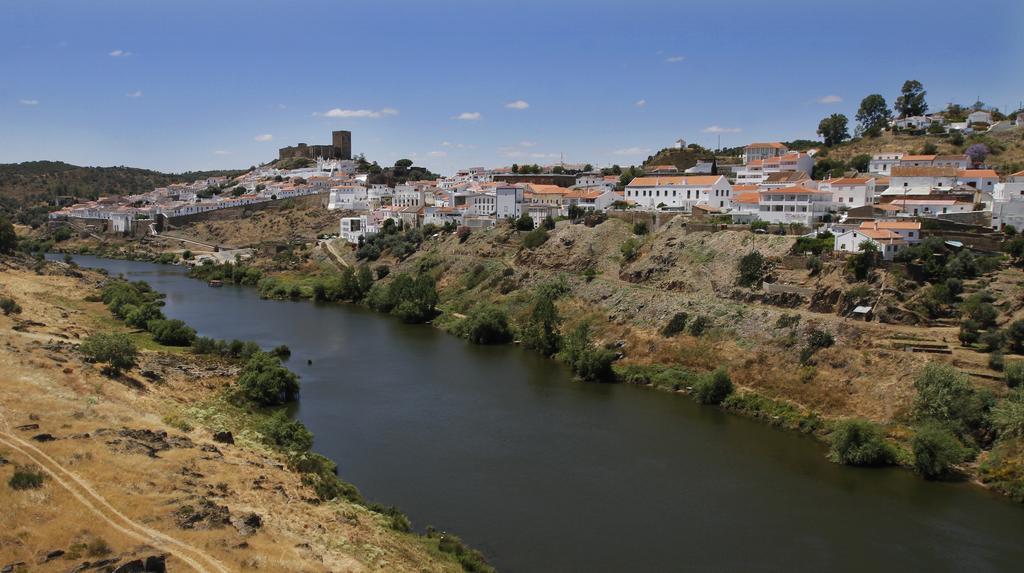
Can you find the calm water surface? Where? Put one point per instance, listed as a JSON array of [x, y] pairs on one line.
[[546, 474]]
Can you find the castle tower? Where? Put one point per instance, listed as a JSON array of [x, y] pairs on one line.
[[343, 141]]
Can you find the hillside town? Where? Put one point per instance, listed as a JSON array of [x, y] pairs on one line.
[[767, 183]]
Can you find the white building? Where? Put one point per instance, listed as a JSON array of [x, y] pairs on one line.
[[882, 163], [981, 179], [352, 197], [979, 117], [931, 207], [756, 151], [851, 192], [679, 192], [800, 204], [508, 202], [354, 227]]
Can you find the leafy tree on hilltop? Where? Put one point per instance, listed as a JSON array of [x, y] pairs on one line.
[[911, 101], [833, 129], [118, 351], [873, 115], [266, 382]]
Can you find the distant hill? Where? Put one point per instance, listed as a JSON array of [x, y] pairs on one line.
[[682, 158], [31, 189]]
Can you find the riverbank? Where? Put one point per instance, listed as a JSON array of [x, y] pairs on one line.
[[804, 371], [137, 465]]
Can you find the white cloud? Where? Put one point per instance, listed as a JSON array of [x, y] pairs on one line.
[[119, 54], [543, 155], [264, 137], [281, 106], [28, 101], [438, 154], [469, 116], [720, 129], [349, 113], [527, 143], [136, 93], [518, 104], [640, 103], [631, 151], [830, 99], [675, 59], [457, 145], [221, 152]]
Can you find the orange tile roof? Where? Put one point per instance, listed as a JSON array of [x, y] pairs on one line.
[[773, 144], [742, 188], [879, 234], [849, 181], [983, 173], [923, 172], [681, 180], [539, 189], [747, 198], [1017, 174], [800, 189], [918, 158], [892, 225]]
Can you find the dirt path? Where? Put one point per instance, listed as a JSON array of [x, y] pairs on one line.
[[88, 497], [330, 249]]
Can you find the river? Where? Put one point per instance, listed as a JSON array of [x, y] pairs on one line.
[[543, 474]]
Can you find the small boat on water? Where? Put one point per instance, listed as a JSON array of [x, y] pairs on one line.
[[215, 283]]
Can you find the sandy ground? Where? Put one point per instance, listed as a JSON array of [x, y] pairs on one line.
[[119, 480]]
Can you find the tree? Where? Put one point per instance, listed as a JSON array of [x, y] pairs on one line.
[[1015, 336], [515, 168], [588, 167], [1013, 373], [860, 443], [713, 388], [929, 149], [264, 381], [524, 222], [833, 129], [873, 115], [403, 163], [944, 395], [8, 239], [1008, 415], [9, 306], [936, 450], [171, 332], [861, 162], [540, 332], [911, 101], [486, 324], [751, 268], [977, 152], [118, 351], [286, 434], [589, 362]]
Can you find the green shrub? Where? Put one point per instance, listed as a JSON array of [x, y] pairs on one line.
[[713, 387], [787, 321], [699, 325], [9, 306], [540, 332], [524, 222], [936, 450], [1008, 415], [285, 434], [282, 352], [266, 382], [751, 269], [205, 345], [992, 340], [171, 332], [535, 238], [820, 339], [411, 300], [589, 362], [8, 239], [26, 477], [858, 442], [640, 228], [968, 334], [630, 249], [1013, 373], [676, 325], [117, 351], [486, 324], [814, 265], [996, 361], [140, 315], [945, 396], [1015, 336]]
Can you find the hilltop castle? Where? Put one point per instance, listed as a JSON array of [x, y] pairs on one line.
[[340, 148]]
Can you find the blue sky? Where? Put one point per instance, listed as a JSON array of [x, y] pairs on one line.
[[201, 84]]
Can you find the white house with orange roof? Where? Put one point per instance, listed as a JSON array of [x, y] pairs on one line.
[[980, 179], [850, 192], [758, 170], [882, 163], [756, 151], [923, 206], [745, 199], [797, 204], [679, 192]]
